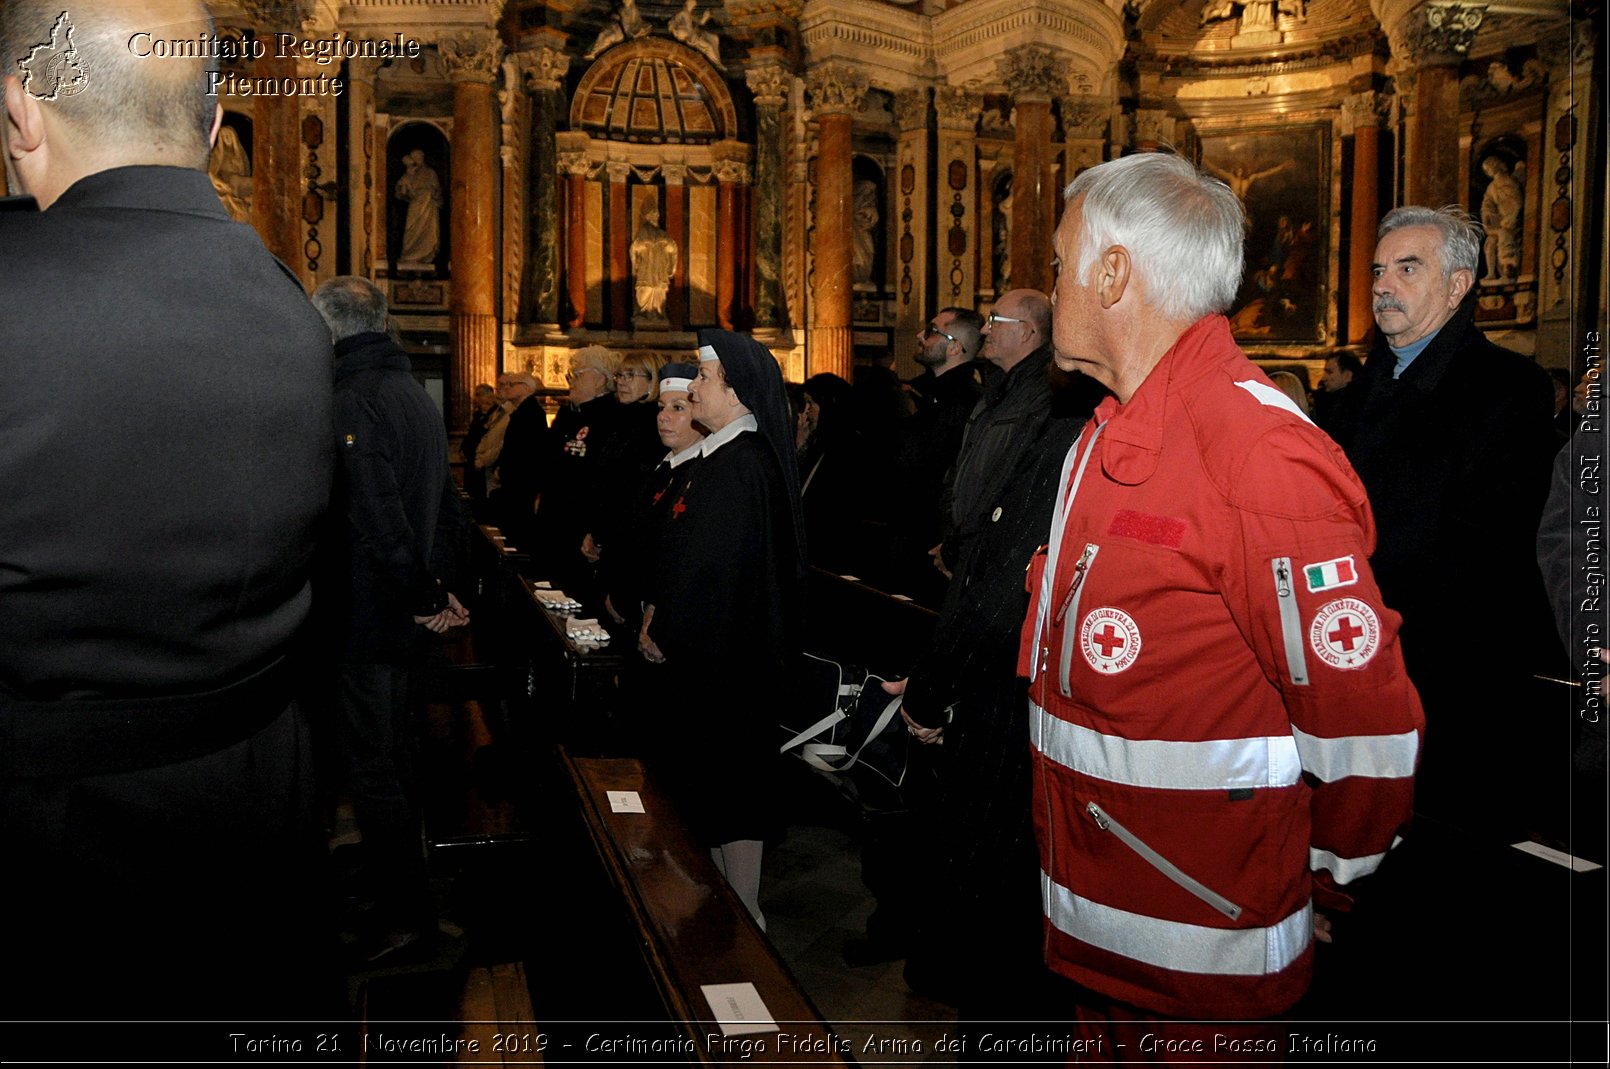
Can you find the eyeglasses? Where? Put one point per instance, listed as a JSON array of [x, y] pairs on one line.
[[632, 373], [931, 330], [993, 319]]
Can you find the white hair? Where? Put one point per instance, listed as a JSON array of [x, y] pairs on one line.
[[1461, 234], [1184, 230]]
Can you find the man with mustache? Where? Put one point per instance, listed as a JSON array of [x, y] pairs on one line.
[[1453, 442]]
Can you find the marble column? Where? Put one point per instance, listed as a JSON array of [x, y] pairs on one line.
[[957, 222], [836, 92], [1033, 75], [545, 81], [732, 177], [472, 63], [277, 182], [675, 177], [575, 166], [1363, 112], [1428, 44], [362, 168], [913, 262], [620, 241], [770, 83]]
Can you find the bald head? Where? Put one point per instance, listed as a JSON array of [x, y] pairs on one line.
[[1019, 324], [80, 99]]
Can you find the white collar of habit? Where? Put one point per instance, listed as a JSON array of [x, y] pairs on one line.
[[676, 460], [745, 422]]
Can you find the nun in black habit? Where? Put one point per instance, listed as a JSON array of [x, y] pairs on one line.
[[725, 607]]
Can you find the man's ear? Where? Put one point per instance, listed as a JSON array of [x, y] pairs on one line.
[[217, 122], [25, 120], [1458, 286], [1113, 270]]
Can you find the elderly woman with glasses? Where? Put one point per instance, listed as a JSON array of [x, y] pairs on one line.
[[627, 456], [724, 607]]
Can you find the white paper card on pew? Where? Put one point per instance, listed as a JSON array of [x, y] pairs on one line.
[[625, 802], [738, 1009]]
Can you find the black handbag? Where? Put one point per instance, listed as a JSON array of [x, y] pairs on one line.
[[859, 740]]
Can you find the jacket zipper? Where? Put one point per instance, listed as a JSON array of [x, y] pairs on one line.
[[1073, 466], [1291, 624], [1162, 864], [1070, 605]]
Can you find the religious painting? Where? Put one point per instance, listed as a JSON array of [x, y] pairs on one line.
[[1280, 174]]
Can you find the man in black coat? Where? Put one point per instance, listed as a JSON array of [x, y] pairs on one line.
[[945, 394], [1453, 442], [402, 525], [164, 459]]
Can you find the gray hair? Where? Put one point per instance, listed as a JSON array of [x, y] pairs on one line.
[[1461, 234], [1184, 230], [351, 305], [128, 102]]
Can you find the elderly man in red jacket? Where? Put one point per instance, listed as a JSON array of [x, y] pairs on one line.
[[1224, 736]]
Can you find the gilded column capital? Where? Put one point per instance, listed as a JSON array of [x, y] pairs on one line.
[[1437, 34], [1154, 125], [471, 57], [958, 107], [1033, 73], [277, 16], [674, 174], [543, 68], [1085, 116], [574, 163], [911, 109], [770, 83], [618, 171], [735, 171], [1363, 109], [836, 88]]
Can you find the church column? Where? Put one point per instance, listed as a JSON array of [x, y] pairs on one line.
[[620, 240], [1084, 133], [732, 175], [472, 63], [1428, 45], [957, 256], [675, 177], [1363, 112], [769, 82], [574, 164], [277, 182], [836, 91], [545, 81], [913, 266], [362, 169], [1033, 75]]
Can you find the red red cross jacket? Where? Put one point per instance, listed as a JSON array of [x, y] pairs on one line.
[[1217, 695]]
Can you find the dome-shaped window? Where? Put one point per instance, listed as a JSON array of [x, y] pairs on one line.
[[654, 91]]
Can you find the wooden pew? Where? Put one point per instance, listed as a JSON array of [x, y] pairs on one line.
[[694, 931]]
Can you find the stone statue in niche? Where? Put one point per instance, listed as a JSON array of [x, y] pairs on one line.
[[865, 216], [231, 174], [653, 255], [1501, 209], [625, 25], [422, 234], [690, 31]]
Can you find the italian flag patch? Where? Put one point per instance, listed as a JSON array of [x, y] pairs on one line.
[[1330, 574]]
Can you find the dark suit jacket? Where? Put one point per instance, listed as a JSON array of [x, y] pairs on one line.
[[165, 454]]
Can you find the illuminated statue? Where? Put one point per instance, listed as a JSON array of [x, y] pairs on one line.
[[653, 263], [422, 235]]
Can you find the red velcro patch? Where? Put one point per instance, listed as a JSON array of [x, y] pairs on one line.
[[1143, 527]]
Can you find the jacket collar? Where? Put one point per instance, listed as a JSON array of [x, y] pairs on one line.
[[1030, 369], [148, 188], [1132, 434], [369, 352]]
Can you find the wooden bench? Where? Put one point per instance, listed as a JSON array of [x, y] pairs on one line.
[[694, 931]]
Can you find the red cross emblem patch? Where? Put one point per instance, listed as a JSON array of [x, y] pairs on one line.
[[1110, 640], [1345, 634]]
